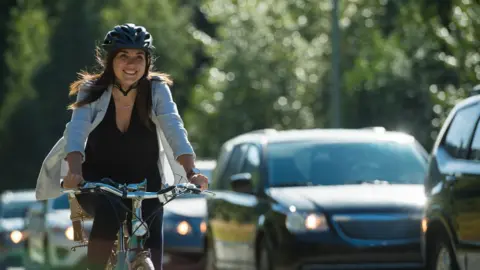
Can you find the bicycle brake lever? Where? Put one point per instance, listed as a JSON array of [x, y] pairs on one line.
[[209, 193], [165, 190]]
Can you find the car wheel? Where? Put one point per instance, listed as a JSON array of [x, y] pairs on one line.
[[264, 257], [442, 257]]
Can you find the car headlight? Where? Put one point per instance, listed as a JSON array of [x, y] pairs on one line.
[[203, 227], [424, 224], [16, 236], [69, 233], [184, 228], [303, 222]]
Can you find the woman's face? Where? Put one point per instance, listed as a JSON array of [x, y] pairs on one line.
[[129, 66]]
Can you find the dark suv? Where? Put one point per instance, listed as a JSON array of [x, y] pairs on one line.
[[451, 224], [317, 199]]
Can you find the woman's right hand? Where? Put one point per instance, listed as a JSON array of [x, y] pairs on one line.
[[72, 180], [74, 176]]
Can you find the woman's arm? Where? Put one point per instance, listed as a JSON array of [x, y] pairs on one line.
[[172, 125], [77, 130]]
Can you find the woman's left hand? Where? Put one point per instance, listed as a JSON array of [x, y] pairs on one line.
[[201, 180], [188, 162]]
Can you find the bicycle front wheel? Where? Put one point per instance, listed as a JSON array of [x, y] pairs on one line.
[[142, 262], [118, 263]]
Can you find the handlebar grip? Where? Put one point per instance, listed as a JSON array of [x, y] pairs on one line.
[[79, 184], [110, 182], [196, 190]]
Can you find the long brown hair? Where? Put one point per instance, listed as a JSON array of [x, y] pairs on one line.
[[97, 83]]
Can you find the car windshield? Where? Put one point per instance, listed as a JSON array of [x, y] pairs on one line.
[[341, 163], [14, 209], [61, 202]]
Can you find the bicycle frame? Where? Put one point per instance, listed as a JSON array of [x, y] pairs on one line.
[[136, 242], [127, 253]]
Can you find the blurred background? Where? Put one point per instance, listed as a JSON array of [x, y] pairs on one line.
[[243, 65]]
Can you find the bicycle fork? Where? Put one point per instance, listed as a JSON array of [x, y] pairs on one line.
[[129, 252], [139, 229]]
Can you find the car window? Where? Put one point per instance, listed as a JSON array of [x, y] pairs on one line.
[[61, 202], [222, 162], [460, 131], [233, 166], [251, 164], [315, 163], [474, 153]]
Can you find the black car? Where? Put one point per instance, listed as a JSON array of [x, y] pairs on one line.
[[317, 199], [451, 225]]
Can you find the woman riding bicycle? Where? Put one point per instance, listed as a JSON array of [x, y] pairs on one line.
[[124, 126]]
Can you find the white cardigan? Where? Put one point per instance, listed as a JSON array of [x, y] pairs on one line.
[[172, 139]]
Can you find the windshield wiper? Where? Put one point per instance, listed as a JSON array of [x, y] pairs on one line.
[[375, 182]]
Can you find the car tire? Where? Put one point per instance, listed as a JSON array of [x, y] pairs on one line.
[[442, 256], [264, 256]]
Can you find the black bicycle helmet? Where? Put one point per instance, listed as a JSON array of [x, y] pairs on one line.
[[128, 36]]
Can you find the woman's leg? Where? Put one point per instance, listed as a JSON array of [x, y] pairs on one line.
[[107, 216], [155, 225]]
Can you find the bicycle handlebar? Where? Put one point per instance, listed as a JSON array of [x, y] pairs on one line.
[[164, 195]]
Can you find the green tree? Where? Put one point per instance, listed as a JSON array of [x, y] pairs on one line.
[[266, 71], [27, 52]]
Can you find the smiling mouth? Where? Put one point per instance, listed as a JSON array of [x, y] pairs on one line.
[[130, 72]]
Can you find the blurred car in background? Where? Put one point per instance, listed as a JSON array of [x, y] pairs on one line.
[[13, 205], [317, 199], [184, 227], [50, 241]]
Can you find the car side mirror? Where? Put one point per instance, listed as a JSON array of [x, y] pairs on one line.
[[242, 182]]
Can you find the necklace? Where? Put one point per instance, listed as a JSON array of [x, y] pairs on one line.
[[119, 105], [125, 92], [125, 106]]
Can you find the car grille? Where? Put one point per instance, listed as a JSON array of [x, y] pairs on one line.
[[378, 227]]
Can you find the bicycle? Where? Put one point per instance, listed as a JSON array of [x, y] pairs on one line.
[[130, 248]]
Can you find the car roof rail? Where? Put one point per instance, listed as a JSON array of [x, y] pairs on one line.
[[376, 128]]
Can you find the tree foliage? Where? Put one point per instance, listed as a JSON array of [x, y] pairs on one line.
[[241, 65]]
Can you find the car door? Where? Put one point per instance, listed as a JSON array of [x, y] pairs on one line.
[[469, 209], [242, 203], [460, 177], [220, 210]]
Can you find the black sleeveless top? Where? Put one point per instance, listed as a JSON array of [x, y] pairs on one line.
[[125, 157]]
